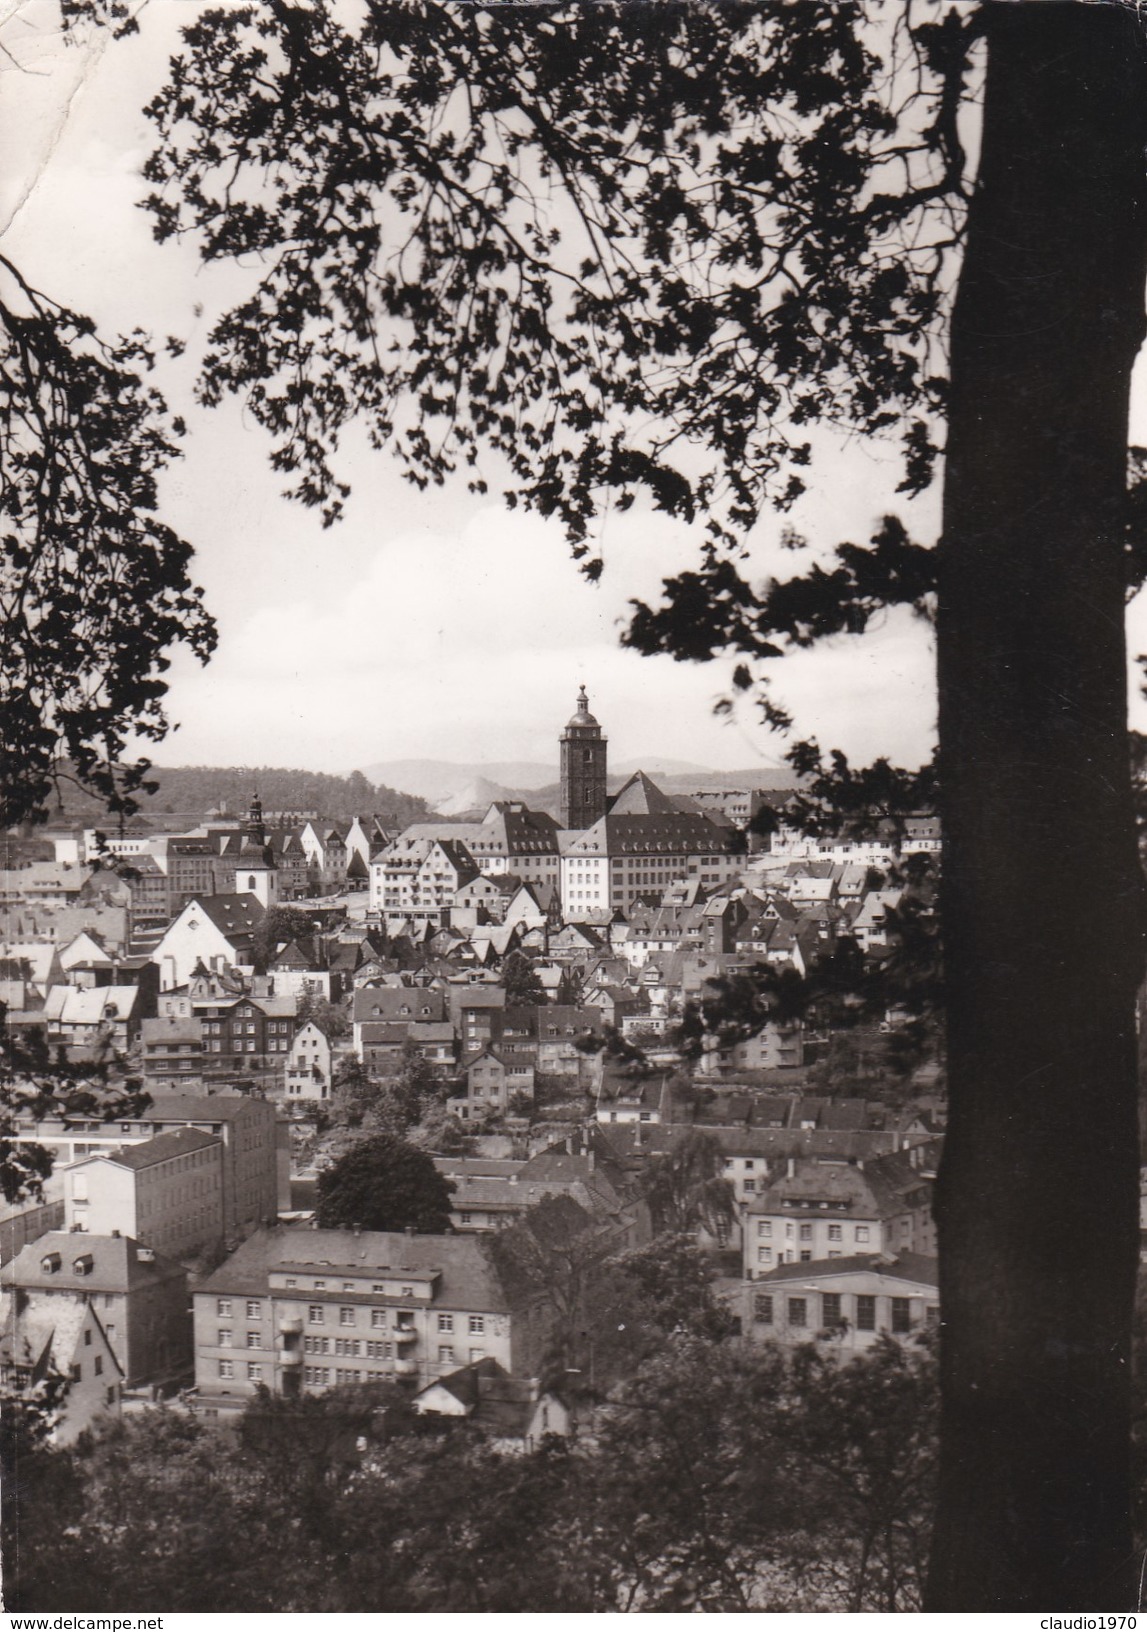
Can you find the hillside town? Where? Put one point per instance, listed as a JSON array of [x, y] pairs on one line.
[[551, 1004]]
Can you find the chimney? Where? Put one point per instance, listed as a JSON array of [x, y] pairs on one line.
[[791, 1171], [409, 1230]]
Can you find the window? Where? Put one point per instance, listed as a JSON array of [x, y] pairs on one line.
[[806, 1232], [862, 1232], [320, 1286], [291, 1283], [465, 1218], [254, 1340], [750, 1187], [346, 1316], [764, 1255], [764, 1226], [378, 1317], [901, 1315], [446, 1323], [932, 1314], [763, 1309], [477, 1324], [88, 1338], [834, 1232], [348, 1286], [865, 1312], [223, 1306], [830, 1309], [111, 1395], [445, 1354], [798, 1312], [315, 1316], [254, 1309], [254, 1372], [226, 1368], [99, 1365], [223, 1337]]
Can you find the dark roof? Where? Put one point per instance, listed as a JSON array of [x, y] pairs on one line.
[[197, 1107], [906, 1266], [468, 1279], [163, 1148], [234, 915], [116, 1264]]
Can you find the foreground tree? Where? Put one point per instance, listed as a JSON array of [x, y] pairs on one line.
[[765, 205], [94, 587], [384, 1184]]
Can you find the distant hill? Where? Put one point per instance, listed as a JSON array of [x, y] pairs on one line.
[[438, 779], [459, 789], [197, 789]]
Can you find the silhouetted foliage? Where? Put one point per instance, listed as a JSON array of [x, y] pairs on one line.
[[94, 588], [383, 1183]]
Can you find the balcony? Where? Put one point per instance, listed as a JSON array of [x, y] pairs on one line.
[[290, 1357], [406, 1368], [291, 1326], [405, 1334]]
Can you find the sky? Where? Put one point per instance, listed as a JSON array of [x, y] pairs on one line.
[[429, 625]]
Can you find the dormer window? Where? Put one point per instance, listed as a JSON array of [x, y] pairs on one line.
[[84, 1264], [50, 1263]]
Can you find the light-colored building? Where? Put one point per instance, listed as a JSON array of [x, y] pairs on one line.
[[140, 1297], [514, 1413], [850, 1304], [165, 1192], [303, 1310], [308, 1070], [256, 1177], [215, 931], [643, 843], [85, 1017], [43, 1336], [831, 1209], [510, 839]]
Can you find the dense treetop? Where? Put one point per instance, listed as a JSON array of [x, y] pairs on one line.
[[383, 1183]]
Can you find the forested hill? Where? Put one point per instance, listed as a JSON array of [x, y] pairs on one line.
[[197, 789]]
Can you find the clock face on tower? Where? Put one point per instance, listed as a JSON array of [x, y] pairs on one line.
[[583, 768]]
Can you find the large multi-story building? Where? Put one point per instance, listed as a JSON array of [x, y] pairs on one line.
[[420, 873], [302, 1310], [140, 1299], [166, 1193], [641, 845], [833, 1209], [255, 1145], [583, 768]]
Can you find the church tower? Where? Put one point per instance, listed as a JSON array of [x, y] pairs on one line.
[[583, 750], [253, 826]]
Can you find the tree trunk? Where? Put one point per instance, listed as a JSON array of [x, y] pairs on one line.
[[1037, 1201]]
